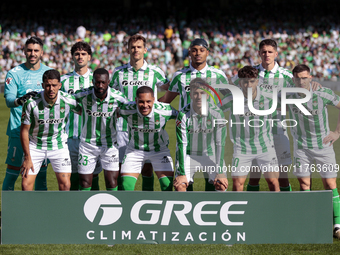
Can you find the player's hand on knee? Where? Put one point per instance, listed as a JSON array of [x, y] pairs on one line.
[[181, 183], [221, 182], [25, 168]]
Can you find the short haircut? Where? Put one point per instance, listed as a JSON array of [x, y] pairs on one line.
[[101, 71], [135, 38], [198, 83], [248, 72], [81, 46], [51, 75], [301, 68], [268, 42], [34, 40], [143, 90]]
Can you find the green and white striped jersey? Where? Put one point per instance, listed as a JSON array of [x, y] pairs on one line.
[[148, 133], [279, 78], [198, 135], [47, 130], [182, 78], [71, 82], [250, 133], [311, 130], [127, 80], [98, 117]]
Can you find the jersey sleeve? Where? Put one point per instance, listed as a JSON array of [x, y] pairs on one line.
[[174, 84], [329, 97], [114, 83], [26, 113], [11, 90], [160, 78], [182, 142]]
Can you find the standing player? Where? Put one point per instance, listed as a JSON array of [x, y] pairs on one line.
[[22, 82], [98, 139], [80, 78], [127, 79], [43, 133], [271, 76], [200, 143], [313, 140], [179, 85], [148, 139], [251, 134]]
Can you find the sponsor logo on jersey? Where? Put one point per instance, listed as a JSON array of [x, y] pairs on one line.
[[135, 83], [99, 114], [145, 130], [51, 121], [200, 130], [70, 91], [312, 112]]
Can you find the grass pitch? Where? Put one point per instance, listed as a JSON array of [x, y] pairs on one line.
[[165, 248]]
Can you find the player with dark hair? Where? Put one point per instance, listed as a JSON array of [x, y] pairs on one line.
[[147, 138], [98, 139], [43, 133], [252, 144], [313, 139], [200, 143], [179, 85], [80, 78], [22, 82], [127, 79]]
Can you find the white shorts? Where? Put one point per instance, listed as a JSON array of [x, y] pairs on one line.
[[73, 147], [282, 149], [59, 159], [89, 155], [242, 164], [307, 161], [135, 159], [122, 140], [205, 164]]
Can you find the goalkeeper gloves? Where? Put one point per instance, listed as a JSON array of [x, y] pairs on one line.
[[24, 98]]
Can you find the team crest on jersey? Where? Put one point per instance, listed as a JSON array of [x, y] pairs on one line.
[[187, 80], [8, 81], [51, 114], [62, 110], [261, 105], [208, 122], [157, 122], [38, 83], [110, 105], [146, 76], [135, 122], [41, 112], [315, 103]]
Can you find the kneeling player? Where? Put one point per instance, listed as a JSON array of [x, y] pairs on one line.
[[251, 134], [313, 140], [98, 140], [43, 133], [148, 139], [200, 143]]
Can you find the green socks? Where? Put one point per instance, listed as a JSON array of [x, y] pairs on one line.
[[166, 183], [128, 182], [336, 207], [253, 188], [288, 188], [147, 184], [10, 179]]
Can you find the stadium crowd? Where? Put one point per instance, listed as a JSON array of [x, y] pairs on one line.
[[314, 40]]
